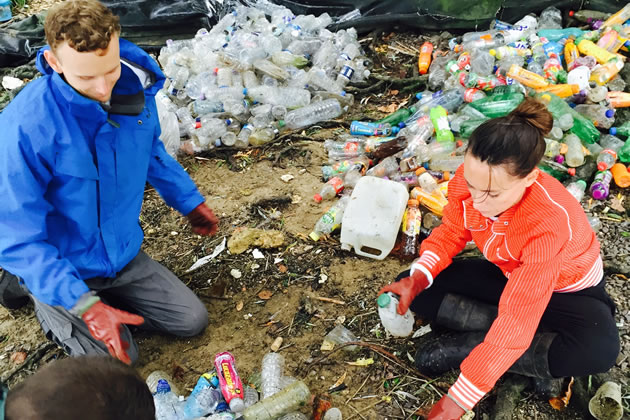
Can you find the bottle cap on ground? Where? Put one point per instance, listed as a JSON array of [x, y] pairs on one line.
[[383, 300], [314, 236], [318, 198], [237, 405]]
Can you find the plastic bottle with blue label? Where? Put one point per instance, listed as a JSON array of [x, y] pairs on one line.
[[204, 397], [167, 404]]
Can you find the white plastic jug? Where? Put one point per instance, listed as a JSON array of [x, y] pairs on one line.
[[372, 219], [579, 76]]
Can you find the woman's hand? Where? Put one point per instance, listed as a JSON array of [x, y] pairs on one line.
[[407, 289]]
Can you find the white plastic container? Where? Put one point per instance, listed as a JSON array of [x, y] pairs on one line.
[[372, 219], [579, 76], [396, 324]]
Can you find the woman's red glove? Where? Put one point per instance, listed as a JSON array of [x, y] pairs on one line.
[[446, 409], [104, 323], [203, 220], [407, 289]]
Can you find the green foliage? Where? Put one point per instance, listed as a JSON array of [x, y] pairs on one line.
[[19, 4]]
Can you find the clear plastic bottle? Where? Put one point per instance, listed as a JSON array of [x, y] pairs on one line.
[[250, 396], [261, 136], [272, 367], [481, 62], [313, 113], [418, 134], [167, 404], [601, 116], [446, 163], [606, 159], [601, 185], [550, 18], [155, 376], [410, 230], [285, 96], [333, 414], [285, 401], [597, 93], [385, 167], [330, 190], [595, 222], [575, 154], [294, 416], [330, 220], [201, 402], [577, 189], [396, 324]]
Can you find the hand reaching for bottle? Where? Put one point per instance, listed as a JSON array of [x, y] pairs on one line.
[[407, 288]]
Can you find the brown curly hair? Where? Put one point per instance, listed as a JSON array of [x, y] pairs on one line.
[[87, 25]]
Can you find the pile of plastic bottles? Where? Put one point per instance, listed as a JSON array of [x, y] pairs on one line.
[[221, 395], [248, 78], [486, 75]]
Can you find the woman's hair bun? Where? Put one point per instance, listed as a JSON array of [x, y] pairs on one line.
[[535, 113]]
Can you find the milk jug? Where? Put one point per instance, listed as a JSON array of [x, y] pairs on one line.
[[372, 219]]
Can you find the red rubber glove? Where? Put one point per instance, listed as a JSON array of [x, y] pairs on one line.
[[407, 288], [104, 323], [203, 220], [446, 409]]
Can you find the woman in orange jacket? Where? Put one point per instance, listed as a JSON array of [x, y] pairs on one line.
[[536, 304]]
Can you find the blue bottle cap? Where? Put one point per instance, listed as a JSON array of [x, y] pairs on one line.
[[419, 95], [395, 129], [613, 131], [222, 406], [610, 113], [245, 91], [217, 143], [402, 124], [572, 105], [162, 387]]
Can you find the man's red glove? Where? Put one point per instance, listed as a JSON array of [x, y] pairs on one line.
[[446, 409], [203, 220], [104, 323], [407, 288]]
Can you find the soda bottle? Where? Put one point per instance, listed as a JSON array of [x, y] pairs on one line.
[[576, 189], [585, 15], [606, 159], [472, 95], [229, 381], [331, 220], [397, 117], [361, 163], [493, 107], [410, 229], [561, 90], [434, 202], [424, 60], [575, 154], [343, 150], [624, 152], [285, 401], [361, 128], [439, 119], [621, 175], [527, 78], [601, 116], [394, 323], [553, 69], [619, 99], [467, 127], [389, 148], [601, 185], [582, 126], [622, 130], [330, 190]]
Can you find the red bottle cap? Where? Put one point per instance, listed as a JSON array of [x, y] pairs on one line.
[[601, 166], [318, 198], [571, 171]]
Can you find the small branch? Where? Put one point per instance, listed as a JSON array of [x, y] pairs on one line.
[[331, 300]]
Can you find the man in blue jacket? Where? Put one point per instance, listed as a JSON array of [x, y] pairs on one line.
[[78, 146]]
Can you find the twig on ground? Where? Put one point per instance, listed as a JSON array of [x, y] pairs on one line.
[[330, 300], [357, 391], [31, 359]]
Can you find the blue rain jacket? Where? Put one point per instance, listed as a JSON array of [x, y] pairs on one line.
[[72, 180]]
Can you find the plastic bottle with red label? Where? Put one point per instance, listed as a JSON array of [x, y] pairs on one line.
[[424, 60], [330, 190], [229, 381]]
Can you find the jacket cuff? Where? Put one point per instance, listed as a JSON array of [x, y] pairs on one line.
[[465, 393], [85, 302]]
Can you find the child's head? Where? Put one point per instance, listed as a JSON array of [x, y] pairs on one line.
[[502, 156], [89, 387]]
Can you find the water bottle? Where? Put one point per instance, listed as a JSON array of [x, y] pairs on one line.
[[203, 400], [331, 220], [293, 416], [225, 415], [575, 154], [550, 18], [601, 185], [285, 96], [385, 167], [285, 401], [446, 163], [606, 159], [482, 62], [155, 376], [577, 189], [250, 397], [272, 367], [601, 116], [313, 113], [333, 414], [394, 323], [167, 405], [363, 128]]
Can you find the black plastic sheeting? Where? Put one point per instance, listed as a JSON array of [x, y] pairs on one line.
[[150, 23]]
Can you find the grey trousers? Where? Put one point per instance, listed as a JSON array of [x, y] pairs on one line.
[[144, 287]]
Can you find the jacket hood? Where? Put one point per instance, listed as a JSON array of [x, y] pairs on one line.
[[130, 53]]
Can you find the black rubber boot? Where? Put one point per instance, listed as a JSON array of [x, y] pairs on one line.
[[12, 296], [446, 352], [535, 364], [460, 313]]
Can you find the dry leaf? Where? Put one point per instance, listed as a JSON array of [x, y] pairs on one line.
[[562, 401], [361, 362], [265, 294], [339, 381], [18, 357], [617, 203], [282, 268], [239, 306], [388, 109]]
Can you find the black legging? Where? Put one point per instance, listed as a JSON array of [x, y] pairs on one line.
[[587, 341]]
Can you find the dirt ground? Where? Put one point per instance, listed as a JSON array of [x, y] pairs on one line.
[[278, 295]]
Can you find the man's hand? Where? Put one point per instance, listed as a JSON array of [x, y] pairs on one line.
[[446, 409], [203, 220], [407, 288], [104, 323]]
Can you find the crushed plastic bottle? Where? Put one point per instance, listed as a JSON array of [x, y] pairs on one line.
[[331, 220], [167, 404], [283, 402], [395, 324]]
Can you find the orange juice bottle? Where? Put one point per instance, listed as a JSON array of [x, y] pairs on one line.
[[526, 77], [621, 175], [571, 52], [434, 202], [602, 56], [424, 60], [563, 90], [619, 99]]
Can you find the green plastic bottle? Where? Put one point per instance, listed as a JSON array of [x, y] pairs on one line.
[[440, 122], [468, 126], [397, 117], [624, 153], [498, 105], [582, 126], [622, 130]]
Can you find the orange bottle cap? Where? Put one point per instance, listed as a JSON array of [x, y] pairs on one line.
[[420, 170], [413, 203], [447, 176]]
